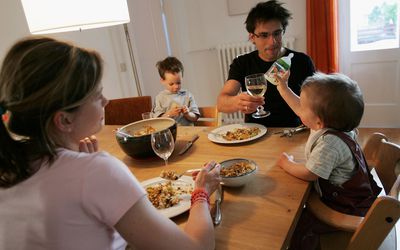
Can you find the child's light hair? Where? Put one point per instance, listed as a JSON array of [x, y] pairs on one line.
[[336, 99]]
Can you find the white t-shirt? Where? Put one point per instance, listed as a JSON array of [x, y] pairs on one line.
[[73, 204]]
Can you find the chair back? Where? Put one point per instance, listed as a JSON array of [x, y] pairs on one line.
[[126, 110], [384, 157], [378, 222], [372, 146], [376, 229], [208, 117]]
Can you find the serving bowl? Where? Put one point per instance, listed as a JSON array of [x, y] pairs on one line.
[[135, 142], [238, 179]]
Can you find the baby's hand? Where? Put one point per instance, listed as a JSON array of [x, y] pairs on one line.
[[282, 79], [284, 160]]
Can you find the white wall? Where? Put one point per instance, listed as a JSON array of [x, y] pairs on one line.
[[196, 28]]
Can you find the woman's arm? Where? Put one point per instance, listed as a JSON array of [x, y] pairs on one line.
[[143, 227]]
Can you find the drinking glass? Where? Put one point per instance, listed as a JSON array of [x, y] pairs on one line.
[[256, 85], [163, 144]]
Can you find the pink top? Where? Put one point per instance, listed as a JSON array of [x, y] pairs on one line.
[[73, 204]]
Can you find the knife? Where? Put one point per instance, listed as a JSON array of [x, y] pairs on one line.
[[188, 144], [219, 197]]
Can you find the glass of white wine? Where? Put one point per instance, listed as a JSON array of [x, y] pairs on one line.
[[256, 85], [163, 144]]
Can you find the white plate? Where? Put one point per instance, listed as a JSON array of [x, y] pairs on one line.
[[222, 131], [185, 182]]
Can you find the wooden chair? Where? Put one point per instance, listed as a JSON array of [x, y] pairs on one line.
[[370, 231], [126, 110], [208, 117], [384, 157]]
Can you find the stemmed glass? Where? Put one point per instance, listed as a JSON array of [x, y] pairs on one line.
[[163, 144], [256, 85]]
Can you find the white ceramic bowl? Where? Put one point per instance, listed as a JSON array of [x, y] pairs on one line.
[[237, 181]]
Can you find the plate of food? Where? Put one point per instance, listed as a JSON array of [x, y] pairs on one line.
[[171, 198], [237, 133]]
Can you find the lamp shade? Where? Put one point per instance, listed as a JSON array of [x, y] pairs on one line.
[[52, 16]]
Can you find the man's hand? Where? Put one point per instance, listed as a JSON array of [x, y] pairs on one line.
[[248, 104]]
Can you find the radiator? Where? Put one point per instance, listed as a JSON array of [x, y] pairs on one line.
[[226, 53]]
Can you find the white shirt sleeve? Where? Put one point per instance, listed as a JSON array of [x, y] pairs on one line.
[[110, 189]]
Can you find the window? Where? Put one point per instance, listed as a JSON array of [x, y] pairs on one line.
[[374, 24]]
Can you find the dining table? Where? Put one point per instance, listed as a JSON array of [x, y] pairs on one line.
[[263, 213]]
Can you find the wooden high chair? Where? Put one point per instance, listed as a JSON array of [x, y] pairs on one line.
[[374, 231]]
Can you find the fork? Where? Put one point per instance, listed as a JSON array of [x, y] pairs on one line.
[[292, 131], [177, 176]]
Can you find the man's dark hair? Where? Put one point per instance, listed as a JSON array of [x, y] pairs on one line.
[[170, 64], [267, 11]]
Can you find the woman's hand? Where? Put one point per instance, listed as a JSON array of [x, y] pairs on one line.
[[89, 144], [208, 178]]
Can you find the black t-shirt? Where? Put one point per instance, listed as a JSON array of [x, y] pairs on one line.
[[281, 114]]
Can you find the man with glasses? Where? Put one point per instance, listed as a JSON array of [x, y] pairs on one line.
[[266, 24]]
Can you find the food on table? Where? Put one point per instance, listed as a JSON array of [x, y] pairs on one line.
[[237, 169], [162, 195], [169, 175], [165, 194], [145, 131], [241, 133]]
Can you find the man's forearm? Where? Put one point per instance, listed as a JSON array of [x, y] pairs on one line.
[[227, 104]]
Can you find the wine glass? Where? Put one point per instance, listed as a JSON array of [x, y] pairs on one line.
[[256, 85], [163, 144]]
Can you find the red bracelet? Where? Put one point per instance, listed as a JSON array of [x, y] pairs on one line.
[[199, 194]]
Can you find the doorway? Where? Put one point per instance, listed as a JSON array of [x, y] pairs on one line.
[[369, 53]]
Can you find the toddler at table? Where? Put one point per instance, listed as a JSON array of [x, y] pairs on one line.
[[332, 107], [174, 102]]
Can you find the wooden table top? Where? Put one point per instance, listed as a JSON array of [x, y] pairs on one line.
[[263, 213]]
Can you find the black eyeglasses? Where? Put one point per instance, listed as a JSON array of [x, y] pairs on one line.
[[277, 34]]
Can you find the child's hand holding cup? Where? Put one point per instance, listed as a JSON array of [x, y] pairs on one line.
[[185, 109]]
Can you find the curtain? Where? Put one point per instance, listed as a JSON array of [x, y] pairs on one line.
[[322, 38]]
